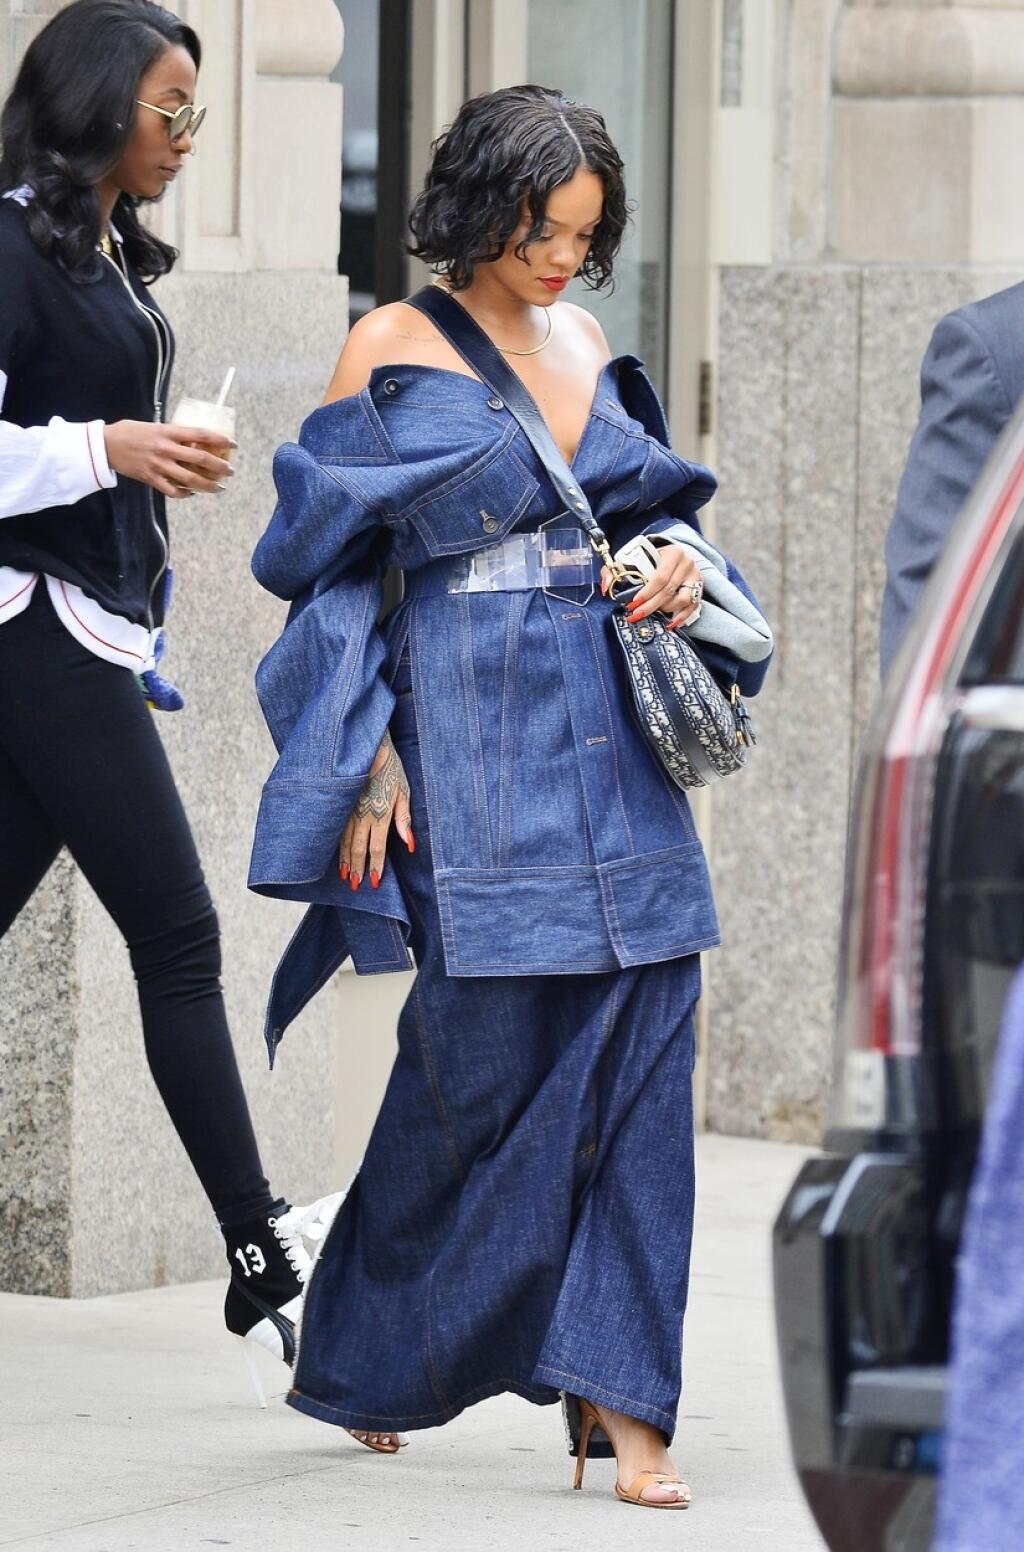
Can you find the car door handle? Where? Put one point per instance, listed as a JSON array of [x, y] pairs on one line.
[[999, 707]]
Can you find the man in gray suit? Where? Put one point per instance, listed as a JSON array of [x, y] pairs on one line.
[[971, 379]]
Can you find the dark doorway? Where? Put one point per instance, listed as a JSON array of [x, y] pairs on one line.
[[375, 74]]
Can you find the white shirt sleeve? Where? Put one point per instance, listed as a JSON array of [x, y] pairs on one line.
[[50, 466]]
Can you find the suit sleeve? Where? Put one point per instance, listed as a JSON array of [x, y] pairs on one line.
[[964, 407]]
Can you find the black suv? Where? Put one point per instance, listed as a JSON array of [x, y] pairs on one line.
[[933, 931]]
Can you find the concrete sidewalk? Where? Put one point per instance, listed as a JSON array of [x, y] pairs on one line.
[[127, 1423]]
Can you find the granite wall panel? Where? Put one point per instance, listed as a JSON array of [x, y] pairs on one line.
[[788, 467], [819, 396]]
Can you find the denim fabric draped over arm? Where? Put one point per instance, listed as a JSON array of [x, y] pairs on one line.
[[320, 686], [327, 705]]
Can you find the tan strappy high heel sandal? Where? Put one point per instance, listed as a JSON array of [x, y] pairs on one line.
[[631, 1494], [381, 1449]]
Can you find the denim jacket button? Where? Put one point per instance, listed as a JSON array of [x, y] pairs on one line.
[[490, 524], [391, 385], [495, 403]]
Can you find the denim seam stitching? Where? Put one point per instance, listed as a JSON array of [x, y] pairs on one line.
[[612, 1010], [468, 475], [620, 448], [577, 1379], [397, 938], [613, 726], [506, 740], [640, 861], [332, 473], [427, 761], [376, 425], [361, 635], [447, 918], [273, 783], [612, 916], [458, 546], [435, 1089], [545, 967], [465, 1399], [318, 985], [473, 717], [431, 1365], [706, 940]]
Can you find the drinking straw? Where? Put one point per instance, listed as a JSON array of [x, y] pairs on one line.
[[225, 387]]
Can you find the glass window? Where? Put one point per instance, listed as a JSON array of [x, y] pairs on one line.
[[997, 652], [618, 59], [357, 73]]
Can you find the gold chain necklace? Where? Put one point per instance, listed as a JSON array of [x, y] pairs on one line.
[[106, 245], [507, 350]]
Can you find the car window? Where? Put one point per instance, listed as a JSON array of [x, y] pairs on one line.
[[997, 652]]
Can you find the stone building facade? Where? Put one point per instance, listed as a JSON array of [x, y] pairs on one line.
[[836, 175], [894, 132]]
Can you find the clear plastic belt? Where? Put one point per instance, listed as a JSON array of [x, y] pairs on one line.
[[551, 560]]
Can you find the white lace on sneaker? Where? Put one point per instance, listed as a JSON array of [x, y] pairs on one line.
[[312, 1224], [288, 1231], [315, 1220]]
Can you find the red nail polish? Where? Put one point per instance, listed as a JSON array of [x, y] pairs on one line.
[[374, 879], [343, 871], [353, 882], [410, 839]]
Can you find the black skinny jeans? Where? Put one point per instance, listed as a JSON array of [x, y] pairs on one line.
[[82, 765]]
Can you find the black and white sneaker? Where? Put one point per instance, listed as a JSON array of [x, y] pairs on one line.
[[271, 1258]]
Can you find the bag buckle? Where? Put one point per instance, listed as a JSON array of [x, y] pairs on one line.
[[621, 576]]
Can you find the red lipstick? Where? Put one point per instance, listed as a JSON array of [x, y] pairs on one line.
[[555, 282]]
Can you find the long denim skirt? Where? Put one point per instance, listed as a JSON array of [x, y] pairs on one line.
[[522, 1218]]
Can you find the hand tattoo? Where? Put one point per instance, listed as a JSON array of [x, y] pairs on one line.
[[382, 788]]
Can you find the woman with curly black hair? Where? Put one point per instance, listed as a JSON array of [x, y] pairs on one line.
[[522, 1217], [99, 121]]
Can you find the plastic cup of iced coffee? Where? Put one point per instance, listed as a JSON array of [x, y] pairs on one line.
[[206, 415]]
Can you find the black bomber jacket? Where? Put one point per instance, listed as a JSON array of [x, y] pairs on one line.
[[99, 350]]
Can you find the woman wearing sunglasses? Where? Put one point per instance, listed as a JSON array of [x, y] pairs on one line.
[[99, 122]]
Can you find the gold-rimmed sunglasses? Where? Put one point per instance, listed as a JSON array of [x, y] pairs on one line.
[[184, 120]]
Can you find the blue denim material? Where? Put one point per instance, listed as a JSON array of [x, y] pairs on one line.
[[560, 846], [522, 1217], [981, 1491]]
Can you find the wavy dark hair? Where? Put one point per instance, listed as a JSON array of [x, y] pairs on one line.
[[518, 143], [68, 119]]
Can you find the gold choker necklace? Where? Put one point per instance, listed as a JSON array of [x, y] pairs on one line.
[[507, 350]]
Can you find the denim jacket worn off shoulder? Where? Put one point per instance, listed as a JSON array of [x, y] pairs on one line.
[[559, 844]]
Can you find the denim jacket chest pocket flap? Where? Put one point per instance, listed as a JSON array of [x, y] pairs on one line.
[[463, 476], [475, 505]]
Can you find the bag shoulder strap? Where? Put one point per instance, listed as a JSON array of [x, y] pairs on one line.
[[466, 336]]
